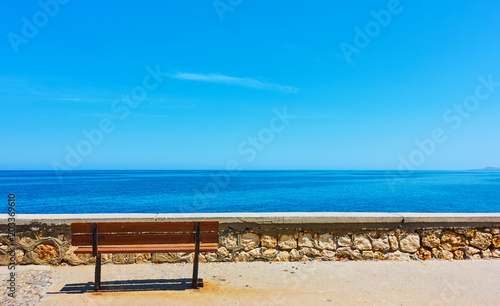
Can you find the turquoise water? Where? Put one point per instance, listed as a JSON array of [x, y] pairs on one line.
[[252, 191]]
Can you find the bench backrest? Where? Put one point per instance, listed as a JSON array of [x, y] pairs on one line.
[[143, 233]]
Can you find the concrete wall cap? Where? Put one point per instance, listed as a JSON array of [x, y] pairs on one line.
[[273, 218]]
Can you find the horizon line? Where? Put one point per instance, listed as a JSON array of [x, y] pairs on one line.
[[248, 170]]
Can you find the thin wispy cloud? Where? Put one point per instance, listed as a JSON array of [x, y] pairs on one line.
[[224, 79], [313, 117], [83, 99], [26, 90]]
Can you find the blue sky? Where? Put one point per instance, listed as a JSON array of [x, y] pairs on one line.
[[228, 67]]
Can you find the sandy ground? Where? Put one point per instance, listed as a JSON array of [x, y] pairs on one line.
[[259, 283]]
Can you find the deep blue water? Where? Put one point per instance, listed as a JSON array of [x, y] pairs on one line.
[[252, 191]]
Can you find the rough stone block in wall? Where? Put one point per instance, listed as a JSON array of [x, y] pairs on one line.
[[362, 242], [250, 241], [287, 241], [306, 240], [381, 242], [482, 240], [326, 242], [268, 241], [409, 243], [451, 241], [344, 241], [431, 241], [496, 241]]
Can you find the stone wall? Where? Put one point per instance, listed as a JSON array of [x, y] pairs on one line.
[[303, 237]]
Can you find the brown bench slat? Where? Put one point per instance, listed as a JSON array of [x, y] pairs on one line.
[[207, 247], [145, 227], [124, 239]]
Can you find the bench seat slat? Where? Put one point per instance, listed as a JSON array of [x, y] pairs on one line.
[[124, 239], [205, 247], [144, 227]]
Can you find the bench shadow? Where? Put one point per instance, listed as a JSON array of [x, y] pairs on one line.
[[130, 285]]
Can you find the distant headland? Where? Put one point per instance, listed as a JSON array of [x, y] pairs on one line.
[[486, 169]]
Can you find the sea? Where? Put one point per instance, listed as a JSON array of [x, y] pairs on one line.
[[45, 192]]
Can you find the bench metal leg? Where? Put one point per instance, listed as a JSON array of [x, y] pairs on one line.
[[97, 280], [194, 283], [97, 276]]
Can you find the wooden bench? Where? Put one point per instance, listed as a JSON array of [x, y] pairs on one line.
[[98, 238]]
